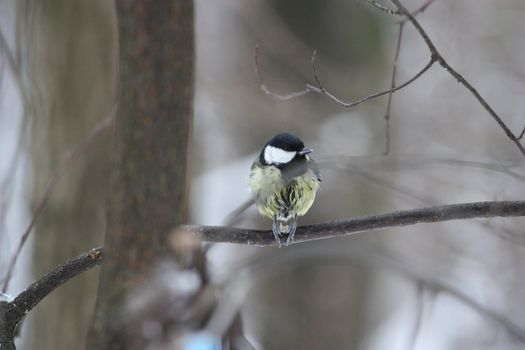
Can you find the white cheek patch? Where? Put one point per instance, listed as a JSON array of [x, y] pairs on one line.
[[274, 155]]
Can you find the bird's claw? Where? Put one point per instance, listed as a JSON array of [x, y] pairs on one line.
[[276, 233], [291, 235]]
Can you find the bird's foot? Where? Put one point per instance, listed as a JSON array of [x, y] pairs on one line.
[[291, 234], [276, 233]]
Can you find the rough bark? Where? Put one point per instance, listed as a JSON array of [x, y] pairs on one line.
[[148, 194]]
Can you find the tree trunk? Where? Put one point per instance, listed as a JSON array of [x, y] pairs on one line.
[[148, 194], [72, 63]]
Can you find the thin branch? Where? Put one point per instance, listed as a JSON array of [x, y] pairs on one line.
[[369, 171], [320, 88], [392, 85], [61, 171], [316, 75], [394, 71], [436, 56], [364, 223], [267, 91], [417, 11], [522, 133], [11, 313], [383, 8]]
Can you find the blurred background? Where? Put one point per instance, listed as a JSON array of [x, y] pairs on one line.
[[451, 285]]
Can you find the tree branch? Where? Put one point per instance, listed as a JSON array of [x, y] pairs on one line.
[[307, 89], [521, 134], [417, 11], [364, 223], [11, 313], [319, 89], [392, 85], [435, 57], [459, 78], [383, 8], [322, 90]]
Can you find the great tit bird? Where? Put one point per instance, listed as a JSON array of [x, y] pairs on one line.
[[284, 180]]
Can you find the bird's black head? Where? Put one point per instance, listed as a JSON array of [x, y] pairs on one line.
[[282, 149], [287, 142]]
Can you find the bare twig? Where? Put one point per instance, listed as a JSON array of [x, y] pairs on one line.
[[11, 313], [383, 7], [522, 133], [392, 85], [314, 70], [365, 223], [417, 11], [369, 168], [61, 171], [320, 88], [436, 56], [267, 91], [394, 71]]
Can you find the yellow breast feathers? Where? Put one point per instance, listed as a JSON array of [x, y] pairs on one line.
[[272, 192]]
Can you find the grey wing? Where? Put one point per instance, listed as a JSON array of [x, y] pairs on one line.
[[313, 165]]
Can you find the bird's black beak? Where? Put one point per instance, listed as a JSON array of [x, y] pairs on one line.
[[305, 151]]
